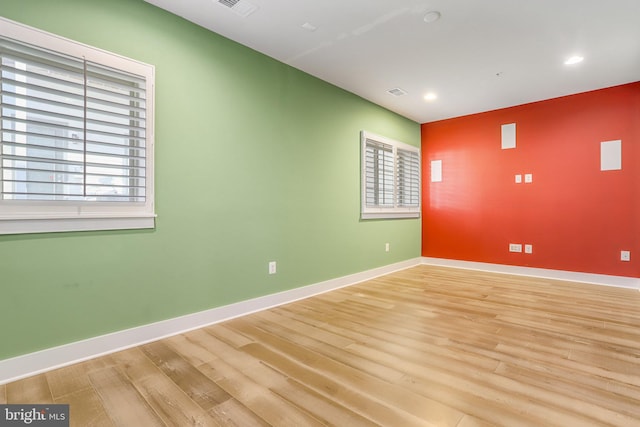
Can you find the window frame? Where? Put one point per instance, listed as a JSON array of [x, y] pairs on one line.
[[396, 210], [31, 216]]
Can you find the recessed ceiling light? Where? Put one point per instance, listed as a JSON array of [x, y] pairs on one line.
[[576, 59], [432, 16], [431, 96]]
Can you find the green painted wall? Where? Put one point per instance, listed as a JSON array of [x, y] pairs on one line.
[[255, 161]]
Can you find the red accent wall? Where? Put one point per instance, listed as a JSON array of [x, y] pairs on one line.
[[577, 217]]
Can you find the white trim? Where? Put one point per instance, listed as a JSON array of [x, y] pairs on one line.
[[45, 360], [572, 276], [381, 214], [55, 225], [32, 216], [38, 37], [386, 212]]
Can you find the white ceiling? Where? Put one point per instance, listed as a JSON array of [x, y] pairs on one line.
[[479, 56]]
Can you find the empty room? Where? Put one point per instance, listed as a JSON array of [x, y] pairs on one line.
[[319, 213]]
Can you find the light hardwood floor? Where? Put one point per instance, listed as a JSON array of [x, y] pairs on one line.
[[427, 346]]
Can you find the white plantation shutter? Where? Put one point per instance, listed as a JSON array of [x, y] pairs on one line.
[[408, 178], [390, 178], [71, 130], [75, 135], [379, 170]]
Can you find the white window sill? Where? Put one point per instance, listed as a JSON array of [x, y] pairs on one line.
[[55, 225], [389, 215]]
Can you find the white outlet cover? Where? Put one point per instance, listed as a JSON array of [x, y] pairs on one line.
[[625, 256], [518, 179], [515, 247], [528, 249], [528, 178]]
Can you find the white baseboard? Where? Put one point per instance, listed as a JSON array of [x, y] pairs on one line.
[[45, 360], [571, 276]]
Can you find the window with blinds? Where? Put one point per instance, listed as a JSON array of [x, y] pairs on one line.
[[76, 137], [390, 178]]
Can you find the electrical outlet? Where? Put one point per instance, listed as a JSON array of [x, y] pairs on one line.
[[528, 178], [518, 179], [386, 247], [515, 247], [625, 255], [272, 267], [528, 249]]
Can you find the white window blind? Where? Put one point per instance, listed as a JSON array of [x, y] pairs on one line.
[[408, 178], [390, 178], [379, 171], [76, 135]]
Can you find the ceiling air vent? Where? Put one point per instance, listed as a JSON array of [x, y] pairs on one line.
[[396, 91], [241, 7]]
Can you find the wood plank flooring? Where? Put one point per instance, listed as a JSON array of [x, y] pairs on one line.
[[427, 346]]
